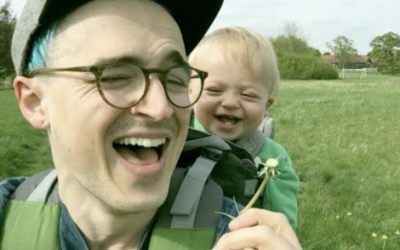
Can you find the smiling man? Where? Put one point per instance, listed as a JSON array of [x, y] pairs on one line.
[[108, 80]]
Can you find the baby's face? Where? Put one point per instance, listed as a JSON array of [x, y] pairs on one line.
[[233, 102]]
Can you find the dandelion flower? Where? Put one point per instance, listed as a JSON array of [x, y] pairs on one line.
[[349, 213], [384, 237], [273, 163], [374, 235], [397, 232], [337, 217]]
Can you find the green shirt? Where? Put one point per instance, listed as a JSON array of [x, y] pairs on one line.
[[281, 192]]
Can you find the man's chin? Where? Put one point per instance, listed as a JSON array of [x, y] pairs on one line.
[[137, 205]]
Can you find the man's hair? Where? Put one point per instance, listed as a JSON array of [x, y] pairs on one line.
[[38, 56], [252, 52]]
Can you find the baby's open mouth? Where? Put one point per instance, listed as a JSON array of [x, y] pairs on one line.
[[140, 150], [228, 120]]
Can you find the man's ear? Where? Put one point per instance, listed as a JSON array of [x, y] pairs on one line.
[[29, 98]]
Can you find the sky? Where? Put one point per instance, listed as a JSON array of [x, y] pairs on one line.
[[320, 21]]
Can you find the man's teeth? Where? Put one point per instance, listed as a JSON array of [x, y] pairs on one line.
[[144, 142]]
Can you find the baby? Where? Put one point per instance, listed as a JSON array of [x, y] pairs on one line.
[[243, 78]]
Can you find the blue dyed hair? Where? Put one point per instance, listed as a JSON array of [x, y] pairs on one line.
[[37, 59]]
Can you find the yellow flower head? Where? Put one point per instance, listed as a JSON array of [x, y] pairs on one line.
[[374, 235], [397, 232], [384, 237], [349, 213]]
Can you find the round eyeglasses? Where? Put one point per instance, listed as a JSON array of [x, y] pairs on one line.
[[123, 85]]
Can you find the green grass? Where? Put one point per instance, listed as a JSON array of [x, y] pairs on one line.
[[342, 136], [23, 150]]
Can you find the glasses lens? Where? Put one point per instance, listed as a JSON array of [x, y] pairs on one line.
[[183, 86], [123, 84]]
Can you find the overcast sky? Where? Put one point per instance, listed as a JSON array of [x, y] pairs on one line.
[[320, 20]]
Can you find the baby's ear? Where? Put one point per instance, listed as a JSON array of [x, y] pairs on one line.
[[29, 96], [270, 101]]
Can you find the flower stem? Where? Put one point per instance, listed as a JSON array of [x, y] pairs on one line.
[[257, 194]]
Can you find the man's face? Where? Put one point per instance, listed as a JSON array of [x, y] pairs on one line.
[[233, 102], [87, 136]]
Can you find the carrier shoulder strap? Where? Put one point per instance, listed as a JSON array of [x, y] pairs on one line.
[[186, 203], [31, 218], [252, 143], [181, 229], [188, 219]]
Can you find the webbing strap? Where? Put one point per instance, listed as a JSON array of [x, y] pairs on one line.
[[252, 143], [41, 192], [211, 141], [182, 239], [185, 205]]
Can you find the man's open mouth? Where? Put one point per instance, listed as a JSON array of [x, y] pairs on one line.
[[140, 150]]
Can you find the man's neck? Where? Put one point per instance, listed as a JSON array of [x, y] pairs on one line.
[[103, 228], [114, 232]]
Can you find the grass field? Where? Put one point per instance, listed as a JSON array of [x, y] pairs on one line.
[[343, 137], [23, 150]]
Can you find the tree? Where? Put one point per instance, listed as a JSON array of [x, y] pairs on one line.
[[386, 51], [293, 41], [297, 60], [291, 29], [7, 25], [290, 44], [343, 48]]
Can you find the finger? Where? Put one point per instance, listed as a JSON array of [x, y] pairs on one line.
[[258, 237], [277, 222], [254, 216]]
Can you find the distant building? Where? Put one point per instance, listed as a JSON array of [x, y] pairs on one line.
[[356, 62]]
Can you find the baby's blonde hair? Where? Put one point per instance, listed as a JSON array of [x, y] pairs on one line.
[[253, 52]]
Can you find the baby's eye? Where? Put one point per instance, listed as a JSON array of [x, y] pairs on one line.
[[250, 95]]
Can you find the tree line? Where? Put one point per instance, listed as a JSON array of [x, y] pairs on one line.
[[384, 54], [7, 25]]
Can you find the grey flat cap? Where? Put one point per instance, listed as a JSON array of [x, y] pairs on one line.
[[194, 17]]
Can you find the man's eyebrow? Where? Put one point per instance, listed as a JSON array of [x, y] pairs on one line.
[[176, 58], [123, 59], [172, 57]]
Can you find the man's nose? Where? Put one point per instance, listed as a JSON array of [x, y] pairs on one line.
[[155, 104]]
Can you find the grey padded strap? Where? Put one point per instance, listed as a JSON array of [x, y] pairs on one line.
[[252, 143], [185, 205], [42, 191], [250, 187], [185, 221], [211, 141]]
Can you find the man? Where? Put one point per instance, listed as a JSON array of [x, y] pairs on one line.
[[108, 82]]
